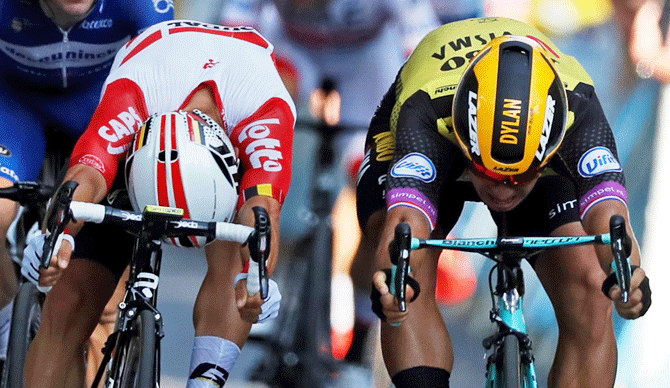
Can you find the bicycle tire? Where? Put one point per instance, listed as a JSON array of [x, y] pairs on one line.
[[512, 362], [137, 366], [26, 319]]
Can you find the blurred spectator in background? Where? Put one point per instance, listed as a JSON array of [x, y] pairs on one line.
[[452, 10], [359, 45], [646, 26], [649, 48], [583, 29]]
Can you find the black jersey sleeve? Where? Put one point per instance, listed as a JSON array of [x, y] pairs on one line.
[[588, 155], [424, 159], [379, 150]]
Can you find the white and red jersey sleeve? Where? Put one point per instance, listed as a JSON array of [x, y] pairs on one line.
[[119, 115], [265, 142]]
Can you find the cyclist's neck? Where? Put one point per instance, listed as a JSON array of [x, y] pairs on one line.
[[65, 16]]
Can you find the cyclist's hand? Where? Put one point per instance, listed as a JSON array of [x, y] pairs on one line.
[[639, 300], [251, 307], [384, 304], [43, 278]]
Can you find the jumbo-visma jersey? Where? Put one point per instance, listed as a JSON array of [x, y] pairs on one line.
[[426, 84]]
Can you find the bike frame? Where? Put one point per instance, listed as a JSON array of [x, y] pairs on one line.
[[508, 314], [141, 290], [141, 294]]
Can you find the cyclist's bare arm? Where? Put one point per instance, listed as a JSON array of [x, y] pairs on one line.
[[92, 188], [597, 221], [245, 216], [249, 306], [420, 228]]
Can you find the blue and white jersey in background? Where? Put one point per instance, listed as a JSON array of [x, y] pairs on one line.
[[51, 78], [35, 50]]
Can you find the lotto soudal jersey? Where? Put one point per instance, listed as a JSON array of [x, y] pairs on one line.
[[35, 50], [163, 67], [415, 118]]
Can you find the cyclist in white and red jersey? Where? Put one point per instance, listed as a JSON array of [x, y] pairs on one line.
[[229, 75]]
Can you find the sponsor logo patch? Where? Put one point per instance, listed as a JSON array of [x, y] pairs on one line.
[[163, 6], [125, 124], [97, 24], [4, 151], [546, 128], [384, 146], [9, 172], [93, 161], [263, 151], [596, 161], [472, 122], [414, 165], [562, 207], [210, 373]]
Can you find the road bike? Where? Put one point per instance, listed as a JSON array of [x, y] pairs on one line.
[[298, 347], [510, 360], [131, 356], [27, 310]]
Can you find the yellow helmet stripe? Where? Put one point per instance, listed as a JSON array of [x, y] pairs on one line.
[[486, 67], [542, 79]]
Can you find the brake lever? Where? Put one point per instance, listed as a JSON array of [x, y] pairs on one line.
[[621, 249], [399, 251], [57, 217], [259, 247]]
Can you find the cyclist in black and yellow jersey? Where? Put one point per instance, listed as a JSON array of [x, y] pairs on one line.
[[490, 110]]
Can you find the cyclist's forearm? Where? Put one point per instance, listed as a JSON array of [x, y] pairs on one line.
[[92, 188], [419, 225], [246, 217], [597, 221]]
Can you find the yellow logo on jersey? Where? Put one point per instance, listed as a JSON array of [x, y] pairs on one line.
[[384, 145]]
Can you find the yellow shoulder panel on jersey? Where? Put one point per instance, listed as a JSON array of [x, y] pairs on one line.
[[438, 62]]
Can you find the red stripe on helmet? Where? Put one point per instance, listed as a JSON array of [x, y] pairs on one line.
[[178, 183], [163, 184], [161, 171]]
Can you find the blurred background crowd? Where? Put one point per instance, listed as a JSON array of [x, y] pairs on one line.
[[620, 44]]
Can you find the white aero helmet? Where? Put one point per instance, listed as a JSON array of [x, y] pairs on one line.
[[183, 160]]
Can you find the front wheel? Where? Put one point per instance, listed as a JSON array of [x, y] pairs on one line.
[[26, 319], [512, 362], [136, 365]]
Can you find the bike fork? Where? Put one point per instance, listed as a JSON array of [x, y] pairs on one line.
[[508, 316]]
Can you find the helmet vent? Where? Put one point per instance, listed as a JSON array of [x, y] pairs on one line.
[[511, 107]]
